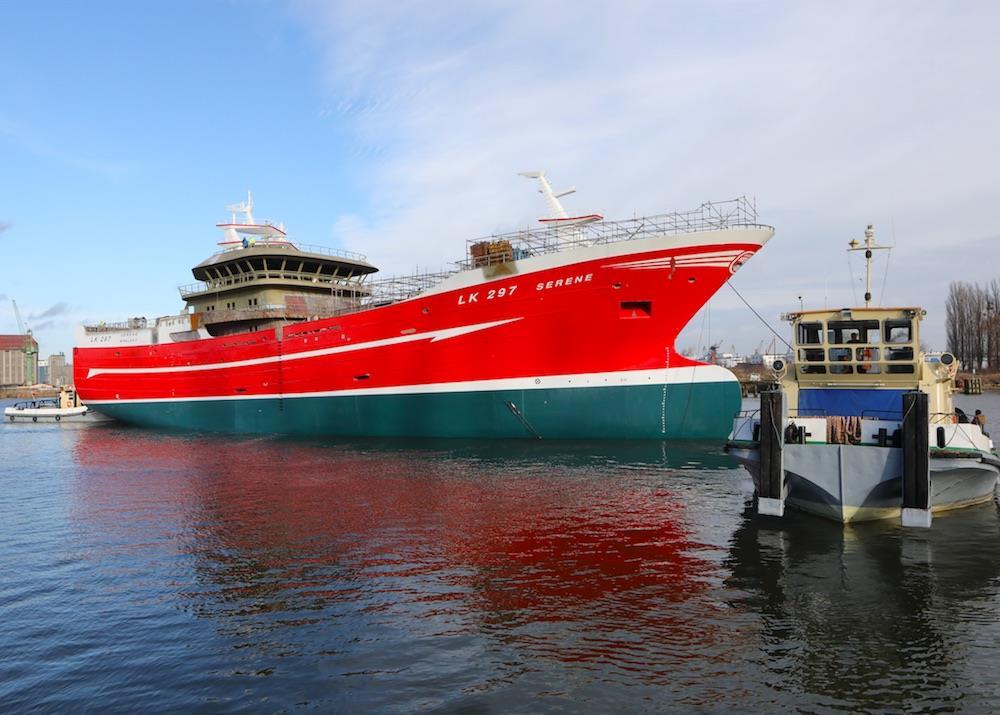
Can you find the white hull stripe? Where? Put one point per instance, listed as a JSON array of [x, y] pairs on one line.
[[680, 376], [715, 259], [431, 335]]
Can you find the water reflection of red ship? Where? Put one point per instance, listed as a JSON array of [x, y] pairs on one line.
[[281, 526]]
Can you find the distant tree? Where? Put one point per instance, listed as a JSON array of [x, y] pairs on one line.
[[972, 314], [992, 323]]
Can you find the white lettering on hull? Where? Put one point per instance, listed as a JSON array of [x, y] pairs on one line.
[[562, 282], [492, 294]]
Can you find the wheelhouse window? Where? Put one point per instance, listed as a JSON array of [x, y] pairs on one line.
[[867, 359], [845, 332], [898, 331], [810, 333], [840, 354], [811, 355]]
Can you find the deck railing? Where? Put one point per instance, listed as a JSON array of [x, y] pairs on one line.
[[396, 288], [353, 284], [740, 212], [735, 213], [295, 246]]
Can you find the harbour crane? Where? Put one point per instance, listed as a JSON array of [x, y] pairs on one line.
[[29, 349]]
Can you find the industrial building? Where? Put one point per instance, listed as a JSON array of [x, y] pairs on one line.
[[60, 371], [18, 360]]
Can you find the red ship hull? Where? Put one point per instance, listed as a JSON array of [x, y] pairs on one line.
[[578, 344]]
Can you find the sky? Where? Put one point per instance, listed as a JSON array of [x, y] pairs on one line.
[[397, 129]]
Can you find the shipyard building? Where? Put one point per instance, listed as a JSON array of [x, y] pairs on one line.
[[18, 361], [60, 371]]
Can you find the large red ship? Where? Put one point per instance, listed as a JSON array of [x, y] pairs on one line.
[[566, 331]]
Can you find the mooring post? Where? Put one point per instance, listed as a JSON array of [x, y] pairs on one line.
[[771, 496], [916, 461]]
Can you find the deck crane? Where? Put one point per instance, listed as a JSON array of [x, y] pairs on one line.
[[29, 349]]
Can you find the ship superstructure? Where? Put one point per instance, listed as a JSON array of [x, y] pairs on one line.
[[259, 279]]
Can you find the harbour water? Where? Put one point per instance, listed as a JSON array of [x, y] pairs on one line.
[[160, 571]]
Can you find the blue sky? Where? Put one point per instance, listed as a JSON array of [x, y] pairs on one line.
[[397, 129]]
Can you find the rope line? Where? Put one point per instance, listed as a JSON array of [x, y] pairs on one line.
[[759, 317], [885, 278]]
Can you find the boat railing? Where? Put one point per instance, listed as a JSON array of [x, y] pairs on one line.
[[746, 417], [884, 415], [256, 223], [740, 212], [286, 245], [397, 288], [42, 403], [130, 324], [352, 283]]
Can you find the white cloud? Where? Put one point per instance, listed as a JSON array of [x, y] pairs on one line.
[[833, 115]]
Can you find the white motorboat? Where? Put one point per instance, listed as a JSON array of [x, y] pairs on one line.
[[64, 408]]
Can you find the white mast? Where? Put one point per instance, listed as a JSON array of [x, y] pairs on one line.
[[237, 231], [868, 247], [244, 207], [551, 198]]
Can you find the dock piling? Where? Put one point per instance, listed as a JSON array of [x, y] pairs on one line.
[[916, 461], [771, 497]]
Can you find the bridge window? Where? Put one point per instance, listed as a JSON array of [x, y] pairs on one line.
[[810, 333], [867, 359], [898, 331], [843, 332], [811, 355]]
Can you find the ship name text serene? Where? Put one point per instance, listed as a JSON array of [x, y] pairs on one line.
[[493, 293]]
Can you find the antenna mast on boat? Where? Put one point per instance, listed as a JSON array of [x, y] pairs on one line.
[[244, 207], [868, 247], [551, 198]]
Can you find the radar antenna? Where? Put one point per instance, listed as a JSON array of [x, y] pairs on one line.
[[868, 247]]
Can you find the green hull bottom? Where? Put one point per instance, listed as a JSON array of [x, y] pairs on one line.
[[695, 411]]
